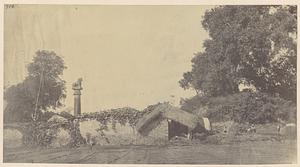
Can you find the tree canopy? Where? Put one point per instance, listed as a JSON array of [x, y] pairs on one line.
[[42, 88], [247, 45]]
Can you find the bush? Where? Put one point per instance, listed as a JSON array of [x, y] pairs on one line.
[[39, 134], [43, 134], [76, 138], [120, 115], [67, 115], [246, 107]]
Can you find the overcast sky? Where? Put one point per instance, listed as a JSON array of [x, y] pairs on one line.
[[127, 55]]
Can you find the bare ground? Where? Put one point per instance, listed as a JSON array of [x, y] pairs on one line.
[[263, 152]]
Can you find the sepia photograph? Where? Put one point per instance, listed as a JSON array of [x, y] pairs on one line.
[[149, 84]]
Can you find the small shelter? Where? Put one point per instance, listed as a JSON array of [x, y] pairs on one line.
[[179, 121]]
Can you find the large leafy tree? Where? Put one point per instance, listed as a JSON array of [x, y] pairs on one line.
[[41, 89], [248, 44]]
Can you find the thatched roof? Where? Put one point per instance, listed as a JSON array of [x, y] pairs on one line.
[[166, 111], [181, 116], [149, 121]]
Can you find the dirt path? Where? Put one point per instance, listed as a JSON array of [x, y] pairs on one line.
[[244, 153]]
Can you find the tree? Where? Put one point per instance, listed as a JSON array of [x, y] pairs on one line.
[[248, 44], [41, 89]]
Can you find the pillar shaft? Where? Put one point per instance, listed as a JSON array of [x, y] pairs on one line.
[[77, 105], [77, 101]]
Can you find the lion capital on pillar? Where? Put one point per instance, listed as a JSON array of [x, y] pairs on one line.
[[77, 87]]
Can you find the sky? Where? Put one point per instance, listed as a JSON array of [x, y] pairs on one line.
[[128, 56]]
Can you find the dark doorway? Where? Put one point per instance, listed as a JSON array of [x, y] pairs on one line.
[[176, 129]]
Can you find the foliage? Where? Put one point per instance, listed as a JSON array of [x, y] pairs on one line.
[[43, 81], [40, 134], [76, 138], [150, 108], [120, 115], [247, 45], [66, 115], [193, 103], [251, 107], [46, 115]]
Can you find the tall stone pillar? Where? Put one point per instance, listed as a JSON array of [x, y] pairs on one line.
[[77, 100]]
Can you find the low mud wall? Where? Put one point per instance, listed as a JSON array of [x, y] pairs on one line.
[[12, 138], [123, 134], [75, 133]]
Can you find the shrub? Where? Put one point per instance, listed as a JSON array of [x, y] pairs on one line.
[[120, 115], [246, 107], [42, 134], [76, 138], [67, 115], [39, 134]]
